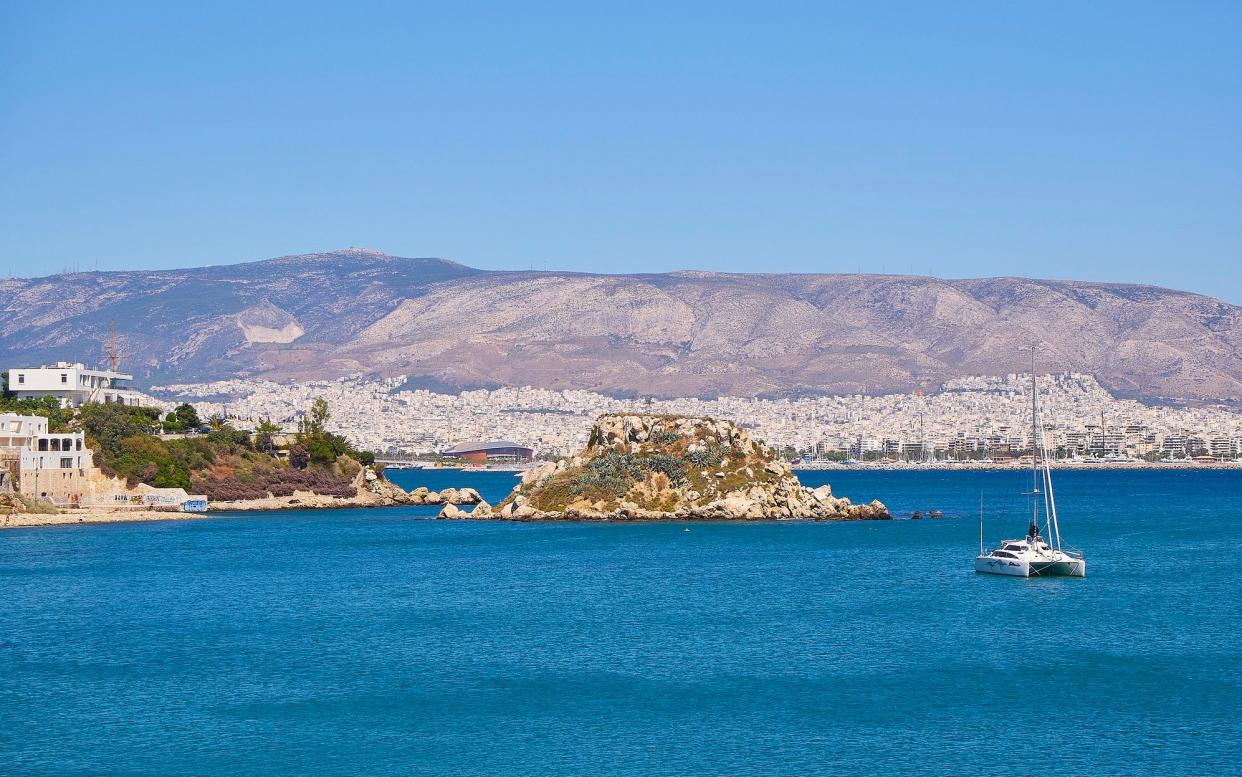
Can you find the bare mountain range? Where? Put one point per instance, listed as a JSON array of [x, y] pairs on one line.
[[675, 334]]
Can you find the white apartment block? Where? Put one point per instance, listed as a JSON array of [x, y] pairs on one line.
[[73, 384], [56, 466]]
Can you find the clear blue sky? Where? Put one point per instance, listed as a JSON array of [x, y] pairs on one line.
[[1098, 141]]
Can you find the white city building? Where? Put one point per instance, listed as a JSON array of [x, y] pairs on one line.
[[56, 466], [73, 384], [987, 416]]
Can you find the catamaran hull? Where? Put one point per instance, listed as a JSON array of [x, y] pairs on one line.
[[1022, 568], [1070, 568], [1000, 566]]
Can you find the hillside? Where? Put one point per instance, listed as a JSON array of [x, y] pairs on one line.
[[686, 333]]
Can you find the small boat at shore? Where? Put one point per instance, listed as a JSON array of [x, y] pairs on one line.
[[1033, 555]]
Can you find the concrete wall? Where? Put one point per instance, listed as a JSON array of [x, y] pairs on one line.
[[65, 487]]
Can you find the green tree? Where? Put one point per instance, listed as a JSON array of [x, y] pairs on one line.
[[322, 446], [110, 424], [225, 435], [181, 418], [318, 417], [264, 436], [321, 451]]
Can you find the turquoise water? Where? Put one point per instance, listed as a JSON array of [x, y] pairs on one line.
[[364, 642]]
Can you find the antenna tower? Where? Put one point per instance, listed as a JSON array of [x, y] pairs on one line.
[[113, 353]]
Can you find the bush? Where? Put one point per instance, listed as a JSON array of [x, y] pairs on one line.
[[613, 473], [671, 466], [181, 418], [664, 437], [321, 452], [706, 457], [299, 456], [109, 424], [282, 481], [366, 458], [229, 437], [171, 475]]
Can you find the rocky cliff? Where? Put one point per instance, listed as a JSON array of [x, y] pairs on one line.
[[659, 467], [675, 334]]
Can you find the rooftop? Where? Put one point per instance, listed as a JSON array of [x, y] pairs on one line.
[[80, 367], [490, 445]]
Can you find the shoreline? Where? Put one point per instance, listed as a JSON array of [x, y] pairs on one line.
[[86, 516], [282, 504], [78, 517]]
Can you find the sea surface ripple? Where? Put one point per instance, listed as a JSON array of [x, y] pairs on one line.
[[369, 642]]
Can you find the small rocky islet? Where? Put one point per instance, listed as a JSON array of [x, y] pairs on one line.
[[666, 467]]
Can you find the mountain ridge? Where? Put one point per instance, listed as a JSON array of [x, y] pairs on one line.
[[688, 332]]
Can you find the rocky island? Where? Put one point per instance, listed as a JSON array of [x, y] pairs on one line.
[[664, 467]]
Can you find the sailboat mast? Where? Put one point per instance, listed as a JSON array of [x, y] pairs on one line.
[[1050, 499], [1052, 505], [1034, 448], [1038, 454]]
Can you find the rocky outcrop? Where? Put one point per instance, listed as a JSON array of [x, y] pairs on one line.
[[449, 496], [660, 467], [390, 493], [386, 491], [10, 504], [372, 489]]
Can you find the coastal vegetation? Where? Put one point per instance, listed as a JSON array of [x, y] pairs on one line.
[[182, 418], [224, 463], [58, 418]]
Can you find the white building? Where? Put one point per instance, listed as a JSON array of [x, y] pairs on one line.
[[56, 466], [16, 431], [73, 384]]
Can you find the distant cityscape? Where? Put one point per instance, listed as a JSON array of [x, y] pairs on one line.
[[982, 417]]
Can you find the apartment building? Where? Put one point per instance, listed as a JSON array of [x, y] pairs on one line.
[[74, 384], [56, 466]]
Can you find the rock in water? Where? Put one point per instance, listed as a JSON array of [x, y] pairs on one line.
[[468, 496], [661, 467]]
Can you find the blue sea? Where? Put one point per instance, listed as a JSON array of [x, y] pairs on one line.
[[371, 642]]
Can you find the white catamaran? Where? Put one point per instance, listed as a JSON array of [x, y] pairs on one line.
[[1033, 555]]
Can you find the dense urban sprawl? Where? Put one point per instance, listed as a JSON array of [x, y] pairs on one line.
[[975, 417]]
